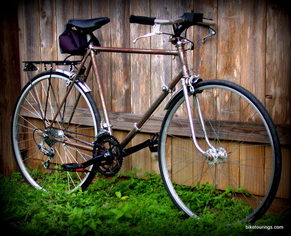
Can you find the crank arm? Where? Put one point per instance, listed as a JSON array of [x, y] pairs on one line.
[[81, 166]]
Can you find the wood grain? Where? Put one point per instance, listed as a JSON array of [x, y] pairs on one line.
[[278, 61], [10, 82], [140, 83]]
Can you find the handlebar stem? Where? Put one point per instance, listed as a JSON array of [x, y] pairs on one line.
[[183, 57]]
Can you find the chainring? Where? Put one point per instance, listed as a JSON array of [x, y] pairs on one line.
[[111, 162]]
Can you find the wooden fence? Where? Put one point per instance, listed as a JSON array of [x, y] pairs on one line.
[[10, 82], [252, 48]]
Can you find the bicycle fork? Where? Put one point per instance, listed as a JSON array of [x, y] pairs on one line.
[[213, 154], [190, 117]]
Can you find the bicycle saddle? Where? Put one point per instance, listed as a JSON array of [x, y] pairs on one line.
[[89, 24]]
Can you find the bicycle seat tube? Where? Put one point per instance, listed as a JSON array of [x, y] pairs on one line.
[[107, 124]]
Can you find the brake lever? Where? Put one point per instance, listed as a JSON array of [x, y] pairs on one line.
[[156, 31], [211, 33]]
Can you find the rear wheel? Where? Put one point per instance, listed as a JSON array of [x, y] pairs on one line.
[[39, 144], [240, 176]]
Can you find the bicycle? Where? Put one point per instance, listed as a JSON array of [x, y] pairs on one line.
[[59, 134]]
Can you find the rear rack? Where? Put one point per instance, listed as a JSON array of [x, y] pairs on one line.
[[30, 65]]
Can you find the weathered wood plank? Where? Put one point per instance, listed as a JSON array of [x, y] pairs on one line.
[[29, 41], [182, 169], [120, 63], [229, 131], [10, 82], [140, 64], [284, 190], [205, 55], [101, 9], [127, 163], [228, 38], [278, 61], [236, 131], [140, 83], [83, 11], [48, 44], [228, 173], [252, 169], [160, 65], [253, 47], [22, 43], [228, 52], [62, 16]]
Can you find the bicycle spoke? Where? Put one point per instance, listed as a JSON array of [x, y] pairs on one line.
[[34, 126], [39, 144], [36, 114], [243, 167]]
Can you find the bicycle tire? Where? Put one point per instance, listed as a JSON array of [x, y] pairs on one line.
[[38, 102], [223, 180]]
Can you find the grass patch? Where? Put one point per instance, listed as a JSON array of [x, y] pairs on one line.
[[122, 205]]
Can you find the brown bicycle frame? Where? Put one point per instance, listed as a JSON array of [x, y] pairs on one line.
[[92, 51]]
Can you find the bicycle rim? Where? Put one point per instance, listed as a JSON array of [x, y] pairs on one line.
[[38, 154], [238, 188]]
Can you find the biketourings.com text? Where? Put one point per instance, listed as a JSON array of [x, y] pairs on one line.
[[268, 227]]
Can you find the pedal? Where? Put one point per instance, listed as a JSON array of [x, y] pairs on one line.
[[75, 167], [154, 148], [153, 145]]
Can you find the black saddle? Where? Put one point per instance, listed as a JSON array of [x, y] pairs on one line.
[[89, 25]]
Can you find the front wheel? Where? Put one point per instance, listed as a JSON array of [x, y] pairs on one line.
[[241, 185]]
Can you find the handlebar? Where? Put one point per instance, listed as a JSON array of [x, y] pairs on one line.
[[187, 18], [144, 20]]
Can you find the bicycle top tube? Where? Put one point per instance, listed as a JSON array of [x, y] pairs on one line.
[[135, 50]]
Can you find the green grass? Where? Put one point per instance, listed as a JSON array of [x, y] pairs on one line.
[[122, 205]]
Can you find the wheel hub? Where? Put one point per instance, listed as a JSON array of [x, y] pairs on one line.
[[50, 136], [216, 155]]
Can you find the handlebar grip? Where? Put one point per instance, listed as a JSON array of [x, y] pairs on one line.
[[144, 20], [192, 18], [208, 22], [196, 19]]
